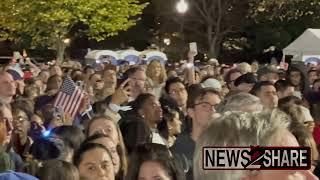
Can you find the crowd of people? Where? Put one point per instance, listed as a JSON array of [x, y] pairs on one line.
[[151, 121]]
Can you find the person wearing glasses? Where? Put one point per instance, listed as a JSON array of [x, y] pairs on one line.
[[177, 91], [21, 141], [201, 109], [176, 98]]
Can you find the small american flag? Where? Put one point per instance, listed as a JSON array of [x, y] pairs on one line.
[[69, 97]]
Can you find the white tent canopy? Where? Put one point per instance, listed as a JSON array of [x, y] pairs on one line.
[[100, 55], [96, 54], [130, 55], [125, 53], [154, 55], [305, 45]]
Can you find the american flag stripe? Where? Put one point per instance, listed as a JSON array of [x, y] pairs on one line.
[[65, 102], [75, 101], [57, 100], [69, 104], [78, 101], [69, 97], [76, 108]]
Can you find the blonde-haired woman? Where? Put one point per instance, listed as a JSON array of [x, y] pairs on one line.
[[157, 77]]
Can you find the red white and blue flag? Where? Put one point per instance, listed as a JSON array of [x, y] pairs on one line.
[[69, 97]]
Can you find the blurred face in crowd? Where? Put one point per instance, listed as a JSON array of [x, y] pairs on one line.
[[56, 122], [295, 77], [21, 123], [137, 83], [96, 82], [204, 109], [98, 85], [110, 77], [289, 91], [54, 83], [56, 70], [284, 138], [272, 77], [254, 67], [44, 76], [268, 96], [94, 79], [151, 170], [233, 77], [179, 93], [245, 87], [313, 75], [52, 118], [151, 111], [6, 120], [104, 126], [47, 112], [8, 86], [35, 118], [96, 164], [155, 68], [316, 86], [175, 125], [197, 77], [112, 147]]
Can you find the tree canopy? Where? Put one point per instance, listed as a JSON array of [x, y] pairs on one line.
[[49, 23], [285, 10]]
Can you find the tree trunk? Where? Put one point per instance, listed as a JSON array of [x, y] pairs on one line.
[[60, 48], [212, 51], [213, 47]]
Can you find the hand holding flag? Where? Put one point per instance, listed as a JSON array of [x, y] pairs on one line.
[[69, 97]]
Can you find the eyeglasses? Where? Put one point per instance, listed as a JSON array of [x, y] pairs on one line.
[[20, 119], [207, 106], [177, 91]]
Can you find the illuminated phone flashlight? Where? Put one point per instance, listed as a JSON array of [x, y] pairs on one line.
[[46, 133]]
